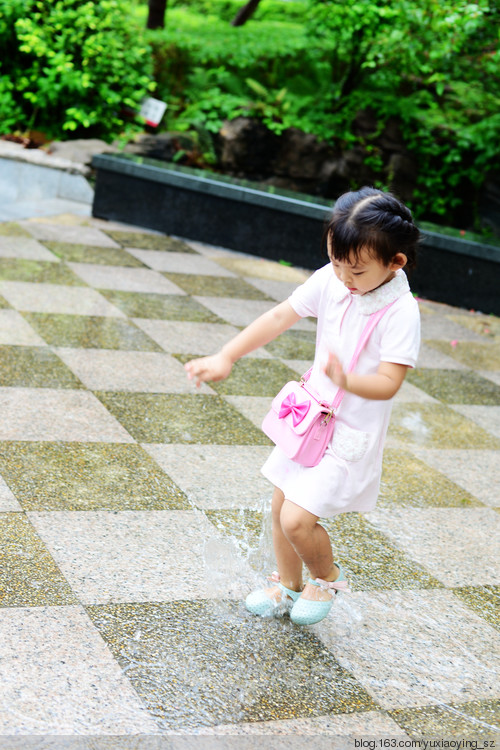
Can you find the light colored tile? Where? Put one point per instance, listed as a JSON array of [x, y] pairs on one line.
[[81, 235], [59, 678], [487, 417], [110, 370], [55, 298], [183, 337], [277, 290], [125, 279], [239, 312], [16, 331], [299, 365], [216, 476], [51, 414], [453, 544], [140, 556], [24, 247], [432, 358], [253, 408], [478, 472], [409, 393], [414, 648], [179, 262], [7, 500], [489, 375], [441, 327]]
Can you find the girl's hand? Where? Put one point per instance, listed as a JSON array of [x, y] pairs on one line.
[[216, 367], [335, 372]]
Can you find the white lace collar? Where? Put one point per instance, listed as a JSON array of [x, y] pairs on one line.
[[383, 295]]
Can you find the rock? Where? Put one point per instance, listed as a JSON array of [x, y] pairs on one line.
[[247, 148], [79, 151], [163, 146]]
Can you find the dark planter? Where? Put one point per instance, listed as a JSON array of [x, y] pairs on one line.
[[274, 224]]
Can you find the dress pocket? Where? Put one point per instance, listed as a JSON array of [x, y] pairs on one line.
[[348, 443]]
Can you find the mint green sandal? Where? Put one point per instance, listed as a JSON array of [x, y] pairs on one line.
[[307, 611], [259, 603]]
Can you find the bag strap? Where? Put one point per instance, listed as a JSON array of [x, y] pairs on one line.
[[370, 325]]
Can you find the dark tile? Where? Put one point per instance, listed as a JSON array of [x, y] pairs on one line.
[[409, 482], [12, 269], [215, 286], [456, 386], [437, 426], [251, 377], [474, 354], [144, 241], [294, 345], [29, 576], [12, 229], [160, 306], [484, 600], [474, 720], [175, 418], [3, 303], [205, 663], [90, 332], [106, 256], [34, 367], [370, 560], [87, 476]]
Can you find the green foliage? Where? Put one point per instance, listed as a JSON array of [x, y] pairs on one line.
[[77, 66]]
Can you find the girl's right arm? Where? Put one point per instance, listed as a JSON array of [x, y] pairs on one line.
[[263, 330]]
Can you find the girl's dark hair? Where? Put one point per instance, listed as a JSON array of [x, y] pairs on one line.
[[369, 219]]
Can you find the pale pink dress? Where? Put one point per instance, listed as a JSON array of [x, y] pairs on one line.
[[348, 476]]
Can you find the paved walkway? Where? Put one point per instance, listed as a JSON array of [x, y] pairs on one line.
[[134, 517]]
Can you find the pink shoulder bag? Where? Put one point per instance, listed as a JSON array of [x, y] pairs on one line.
[[299, 422]]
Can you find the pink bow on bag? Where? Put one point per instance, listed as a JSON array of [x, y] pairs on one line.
[[298, 411]]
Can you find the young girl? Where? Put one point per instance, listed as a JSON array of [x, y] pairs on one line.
[[370, 238]]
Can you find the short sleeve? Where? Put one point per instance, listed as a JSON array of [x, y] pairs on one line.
[[400, 340], [306, 299]]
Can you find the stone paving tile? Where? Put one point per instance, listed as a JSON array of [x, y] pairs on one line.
[[184, 683], [215, 286], [239, 312], [25, 248], [478, 355], [161, 306], [430, 356], [36, 271], [183, 337], [34, 367], [14, 329], [7, 500], [246, 378], [106, 256], [147, 241], [85, 476], [123, 278], [90, 331], [455, 387], [474, 720], [76, 234], [12, 229], [484, 600], [181, 264], [55, 298], [64, 681], [487, 417], [406, 653], [294, 344]]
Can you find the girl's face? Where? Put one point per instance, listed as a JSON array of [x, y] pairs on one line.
[[365, 273]]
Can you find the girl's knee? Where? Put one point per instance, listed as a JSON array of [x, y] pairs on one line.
[[296, 521]]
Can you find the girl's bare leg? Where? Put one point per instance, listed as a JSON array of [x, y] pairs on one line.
[[288, 562], [311, 544]]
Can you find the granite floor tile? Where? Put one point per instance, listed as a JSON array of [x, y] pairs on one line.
[[260, 268], [294, 344], [473, 721], [185, 337], [108, 370], [299, 366], [36, 271], [148, 241], [106, 256], [55, 298], [124, 279], [476, 471], [57, 476], [441, 328], [216, 476], [181, 418], [490, 375], [369, 558], [53, 414], [34, 367], [14, 329], [455, 387], [484, 600], [77, 234], [29, 577], [7, 500], [90, 331], [430, 356], [478, 355], [277, 290], [136, 556], [408, 481], [25, 248], [487, 417], [160, 307], [216, 286], [191, 672], [485, 325], [180, 263], [12, 229], [64, 682], [409, 393], [453, 544], [254, 408], [239, 312], [248, 379], [437, 426], [406, 652]]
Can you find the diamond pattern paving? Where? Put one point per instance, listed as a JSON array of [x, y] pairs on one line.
[[134, 518]]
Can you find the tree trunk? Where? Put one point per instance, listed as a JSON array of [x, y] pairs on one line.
[[245, 13], [156, 15]]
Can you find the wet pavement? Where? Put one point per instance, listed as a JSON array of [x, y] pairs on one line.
[[134, 519]]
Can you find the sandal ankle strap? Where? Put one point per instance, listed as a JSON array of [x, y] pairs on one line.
[[328, 585]]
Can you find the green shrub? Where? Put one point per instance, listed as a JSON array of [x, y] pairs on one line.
[[78, 66]]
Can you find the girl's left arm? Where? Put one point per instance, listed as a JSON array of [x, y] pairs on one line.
[[381, 386]]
